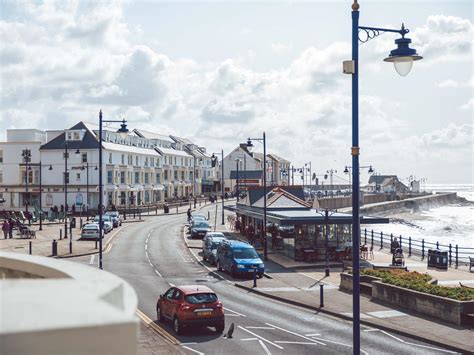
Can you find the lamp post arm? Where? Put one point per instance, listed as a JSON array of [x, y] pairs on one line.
[[372, 32]]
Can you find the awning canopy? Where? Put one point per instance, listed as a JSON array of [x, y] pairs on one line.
[[302, 216]]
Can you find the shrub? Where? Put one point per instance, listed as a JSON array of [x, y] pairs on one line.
[[420, 282]]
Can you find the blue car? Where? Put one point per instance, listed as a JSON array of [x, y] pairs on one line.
[[239, 258]]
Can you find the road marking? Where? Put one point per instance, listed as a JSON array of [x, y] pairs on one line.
[[342, 344], [409, 343], [298, 335], [189, 343], [262, 338], [237, 313], [194, 351], [172, 285], [92, 259], [146, 246], [295, 342], [260, 328], [386, 314], [156, 271], [312, 335], [264, 347], [157, 328], [248, 339]]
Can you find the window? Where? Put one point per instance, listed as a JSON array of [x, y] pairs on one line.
[[110, 158], [76, 136], [136, 160], [123, 159], [182, 175], [109, 177], [175, 175], [1, 177], [122, 177], [84, 157], [109, 198], [130, 160], [137, 177], [122, 198], [78, 176], [152, 162], [158, 180], [146, 178], [174, 160], [146, 161], [1, 156], [66, 178], [147, 197], [69, 136], [165, 175]]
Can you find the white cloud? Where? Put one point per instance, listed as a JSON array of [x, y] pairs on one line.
[[453, 84], [468, 105], [281, 48]]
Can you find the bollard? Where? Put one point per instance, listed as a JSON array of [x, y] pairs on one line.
[[70, 245], [176, 208], [372, 238], [381, 240], [140, 215], [456, 256], [125, 214], [208, 215], [391, 239], [30, 247], [55, 248], [365, 236], [409, 246], [401, 245], [422, 249], [60, 234], [96, 240], [148, 209], [254, 277], [321, 296], [134, 212], [156, 209], [199, 203], [80, 223], [450, 254]]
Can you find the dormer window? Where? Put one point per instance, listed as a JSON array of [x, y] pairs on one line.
[[74, 135]]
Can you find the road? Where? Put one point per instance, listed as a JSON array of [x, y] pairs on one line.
[[152, 255]]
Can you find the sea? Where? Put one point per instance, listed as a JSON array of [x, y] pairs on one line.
[[446, 224]]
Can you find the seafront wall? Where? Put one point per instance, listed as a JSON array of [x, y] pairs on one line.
[[395, 202]]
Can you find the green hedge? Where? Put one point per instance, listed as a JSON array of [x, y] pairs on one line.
[[419, 282]]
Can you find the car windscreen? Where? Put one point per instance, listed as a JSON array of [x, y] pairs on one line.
[[215, 244], [247, 253], [201, 225], [201, 298], [91, 227]]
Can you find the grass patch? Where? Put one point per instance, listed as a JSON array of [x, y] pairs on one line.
[[419, 282]]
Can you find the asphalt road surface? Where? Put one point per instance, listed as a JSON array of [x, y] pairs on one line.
[[152, 255]]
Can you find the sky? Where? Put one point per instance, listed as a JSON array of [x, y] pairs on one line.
[[218, 72]]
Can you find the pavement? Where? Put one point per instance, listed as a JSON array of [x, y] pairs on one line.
[[298, 283]]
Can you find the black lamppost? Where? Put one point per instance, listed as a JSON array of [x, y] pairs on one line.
[[264, 170], [41, 195], [123, 130], [66, 178], [214, 160], [310, 176], [26, 154]]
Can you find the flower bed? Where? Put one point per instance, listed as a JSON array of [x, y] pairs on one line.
[[420, 282]]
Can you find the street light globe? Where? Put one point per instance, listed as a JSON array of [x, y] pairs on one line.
[[403, 56]]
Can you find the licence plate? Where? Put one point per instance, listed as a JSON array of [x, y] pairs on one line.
[[203, 314]]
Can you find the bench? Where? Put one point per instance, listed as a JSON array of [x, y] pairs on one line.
[[471, 263]]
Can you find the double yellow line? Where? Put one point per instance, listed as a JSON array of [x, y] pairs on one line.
[[157, 328]]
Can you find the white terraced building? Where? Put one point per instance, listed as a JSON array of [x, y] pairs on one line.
[[142, 168]]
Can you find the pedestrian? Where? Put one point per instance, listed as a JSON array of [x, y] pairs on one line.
[[189, 214], [61, 209], [393, 248], [10, 230], [28, 216], [5, 228], [73, 208]]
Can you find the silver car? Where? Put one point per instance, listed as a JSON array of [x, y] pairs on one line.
[[108, 225]]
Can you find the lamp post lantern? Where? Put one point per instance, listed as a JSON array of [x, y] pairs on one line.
[[123, 130], [26, 154], [264, 171], [214, 158], [403, 58]]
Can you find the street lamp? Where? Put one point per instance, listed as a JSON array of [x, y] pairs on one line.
[[214, 160], [326, 237], [237, 161], [264, 170], [310, 175], [123, 130], [41, 195], [403, 58], [26, 154]]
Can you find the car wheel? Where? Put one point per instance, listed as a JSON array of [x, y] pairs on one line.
[[159, 315], [178, 328], [219, 268], [220, 327], [260, 275]]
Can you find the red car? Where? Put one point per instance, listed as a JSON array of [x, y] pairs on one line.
[[191, 305]]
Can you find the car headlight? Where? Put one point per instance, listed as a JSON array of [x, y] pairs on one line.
[[261, 266], [240, 266]]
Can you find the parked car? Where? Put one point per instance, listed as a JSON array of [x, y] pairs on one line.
[[116, 218], [91, 231], [191, 305], [198, 217], [209, 246], [238, 258], [199, 229], [107, 223]]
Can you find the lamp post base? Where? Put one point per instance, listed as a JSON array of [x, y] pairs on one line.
[[327, 271]]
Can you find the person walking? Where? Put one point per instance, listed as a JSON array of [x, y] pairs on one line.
[[5, 228], [10, 229], [189, 214]]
